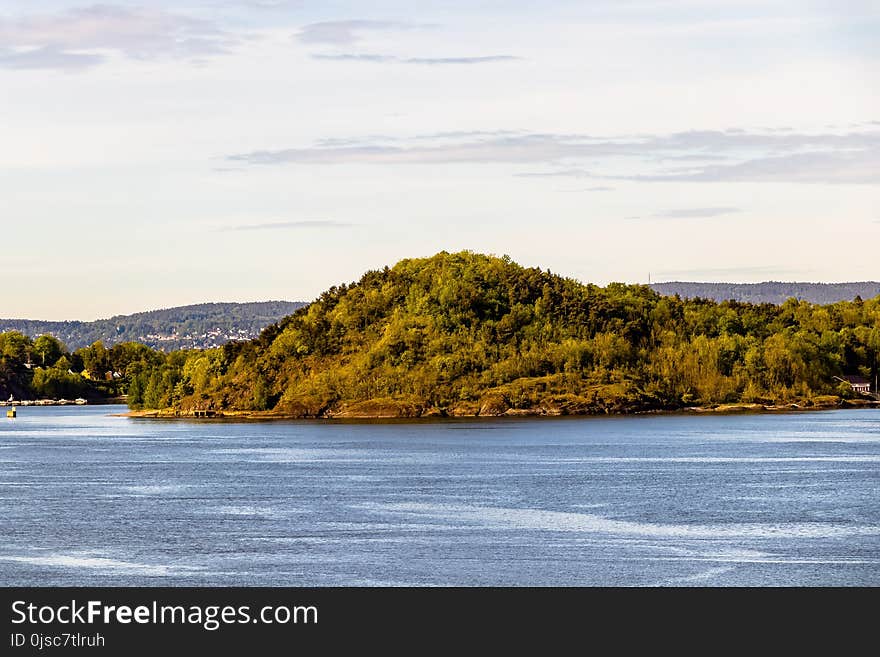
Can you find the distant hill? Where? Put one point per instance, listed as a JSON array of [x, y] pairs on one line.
[[771, 291], [199, 326]]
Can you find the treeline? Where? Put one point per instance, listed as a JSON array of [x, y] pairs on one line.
[[43, 368], [464, 333], [186, 327], [777, 292]]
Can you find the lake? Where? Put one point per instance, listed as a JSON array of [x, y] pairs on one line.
[[714, 500]]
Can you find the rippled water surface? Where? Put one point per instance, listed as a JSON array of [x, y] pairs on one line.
[[90, 499]]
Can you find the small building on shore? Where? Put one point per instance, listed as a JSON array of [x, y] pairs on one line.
[[859, 384]]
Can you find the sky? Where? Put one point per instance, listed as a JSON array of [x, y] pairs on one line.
[[161, 153]]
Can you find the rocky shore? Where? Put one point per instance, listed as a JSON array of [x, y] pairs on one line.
[[386, 409]]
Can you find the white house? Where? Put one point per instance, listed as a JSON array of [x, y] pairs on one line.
[[859, 384]]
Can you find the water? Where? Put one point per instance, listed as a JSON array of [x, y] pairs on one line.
[[89, 499]]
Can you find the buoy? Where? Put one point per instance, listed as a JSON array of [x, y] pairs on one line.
[[10, 413]]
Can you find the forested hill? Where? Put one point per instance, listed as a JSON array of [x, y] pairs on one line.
[[199, 326], [771, 291], [466, 334]]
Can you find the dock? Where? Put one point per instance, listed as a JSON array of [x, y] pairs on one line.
[[79, 401]]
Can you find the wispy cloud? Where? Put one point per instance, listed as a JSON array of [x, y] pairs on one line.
[[439, 61], [69, 39], [287, 225], [829, 167], [272, 4], [48, 57], [696, 213], [597, 188], [343, 33], [349, 57], [695, 157], [429, 61], [567, 173], [850, 157]]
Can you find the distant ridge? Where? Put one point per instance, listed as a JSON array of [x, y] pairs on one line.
[[199, 326], [775, 292]]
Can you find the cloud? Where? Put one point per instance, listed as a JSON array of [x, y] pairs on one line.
[[525, 148], [830, 167], [434, 61], [696, 157], [287, 225], [351, 32], [597, 188], [272, 4], [348, 57], [567, 173], [467, 134], [851, 157], [48, 58], [344, 33], [696, 213], [69, 39], [429, 61]]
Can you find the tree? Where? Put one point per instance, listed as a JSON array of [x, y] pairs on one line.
[[14, 346], [153, 391], [136, 391], [261, 395], [95, 360], [48, 349], [53, 383]]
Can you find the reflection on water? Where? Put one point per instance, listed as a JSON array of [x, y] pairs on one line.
[[89, 499]]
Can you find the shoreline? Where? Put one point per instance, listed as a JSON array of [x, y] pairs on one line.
[[437, 414], [80, 401]]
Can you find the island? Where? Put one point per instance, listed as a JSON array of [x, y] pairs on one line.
[[467, 334]]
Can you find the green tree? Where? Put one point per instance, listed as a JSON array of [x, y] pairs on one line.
[[153, 391], [261, 395], [14, 346], [48, 349], [136, 391], [95, 359], [53, 383]]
